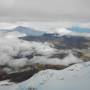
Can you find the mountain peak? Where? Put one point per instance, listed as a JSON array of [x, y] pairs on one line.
[[21, 28], [28, 31]]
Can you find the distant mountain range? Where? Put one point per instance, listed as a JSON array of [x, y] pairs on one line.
[[24, 30], [73, 31], [60, 37], [61, 42], [28, 31], [80, 29], [58, 31]]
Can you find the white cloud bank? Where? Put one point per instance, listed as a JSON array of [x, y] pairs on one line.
[[14, 52], [70, 59], [14, 47], [43, 26]]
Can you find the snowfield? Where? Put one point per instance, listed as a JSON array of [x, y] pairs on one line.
[[75, 77]]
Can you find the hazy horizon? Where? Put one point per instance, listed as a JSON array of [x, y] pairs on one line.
[[44, 10]]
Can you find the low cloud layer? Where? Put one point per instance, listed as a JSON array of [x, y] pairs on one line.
[[15, 54], [44, 26]]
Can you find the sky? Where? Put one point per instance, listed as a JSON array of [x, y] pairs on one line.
[[44, 10]]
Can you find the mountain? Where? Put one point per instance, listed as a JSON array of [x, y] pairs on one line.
[[79, 29], [28, 31], [61, 42], [23, 30], [73, 31], [53, 56]]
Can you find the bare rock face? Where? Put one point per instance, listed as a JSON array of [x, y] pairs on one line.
[[26, 74], [3, 75]]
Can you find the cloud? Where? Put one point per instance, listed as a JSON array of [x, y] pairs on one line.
[[43, 26], [17, 54], [70, 59], [7, 26], [14, 52], [46, 10], [18, 63]]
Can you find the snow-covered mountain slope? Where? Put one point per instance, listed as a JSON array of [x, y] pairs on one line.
[[75, 77]]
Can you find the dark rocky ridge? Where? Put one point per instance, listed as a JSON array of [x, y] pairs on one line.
[[61, 42], [26, 74]]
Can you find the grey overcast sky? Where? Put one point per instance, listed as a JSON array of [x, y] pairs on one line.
[[44, 10]]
